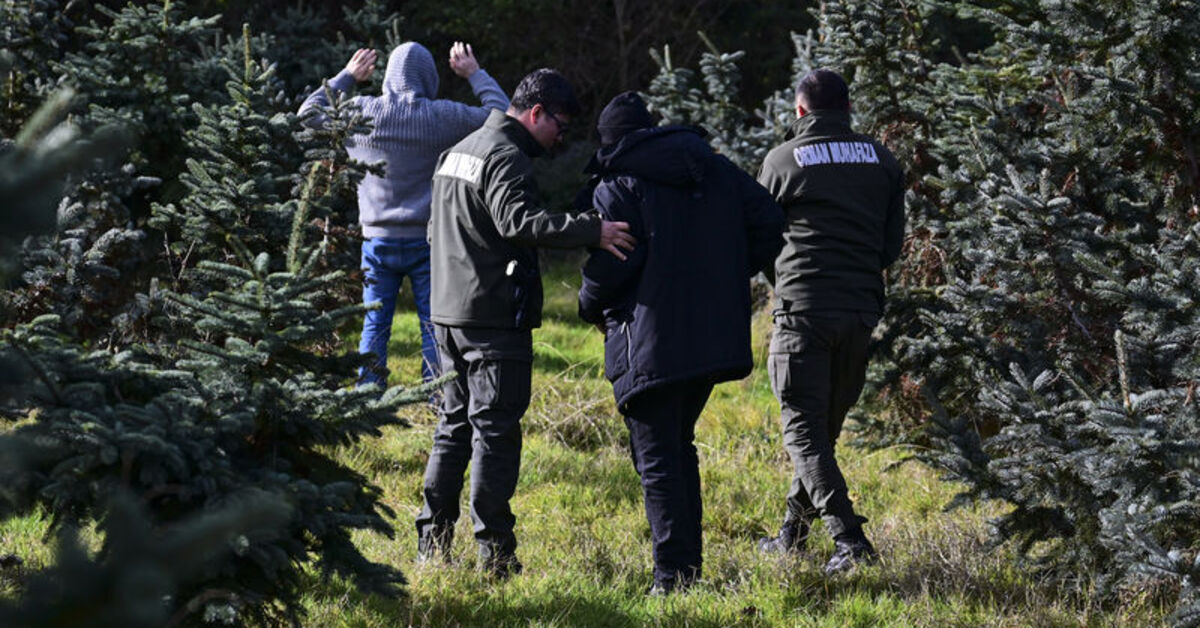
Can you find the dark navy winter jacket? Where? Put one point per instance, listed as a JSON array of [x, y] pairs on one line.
[[679, 307]]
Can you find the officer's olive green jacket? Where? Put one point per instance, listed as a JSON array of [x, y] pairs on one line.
[[843, 196], [486, 220]]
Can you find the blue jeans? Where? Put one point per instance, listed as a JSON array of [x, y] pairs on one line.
[[385, 263]]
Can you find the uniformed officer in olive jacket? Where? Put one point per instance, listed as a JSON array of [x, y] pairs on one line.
[[486, 221], [843, 195], [676, 314]]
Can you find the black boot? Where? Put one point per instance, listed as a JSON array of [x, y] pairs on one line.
[[435, 545], [676, 583], [500, 565], [793, 535], [850, 550]]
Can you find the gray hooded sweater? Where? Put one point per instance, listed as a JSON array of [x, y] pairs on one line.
[[411, 131]]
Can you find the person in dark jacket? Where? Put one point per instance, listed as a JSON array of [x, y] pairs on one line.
[[676, 314], [843, 194], [486, 223]]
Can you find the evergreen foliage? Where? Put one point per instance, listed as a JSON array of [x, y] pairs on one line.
[[244, 157], [675, 97], [128, 582], [34, 166], [34, 33], [141, 569], [252, 399], [1071, 198], [251, 392], [139, 67], [1040, 343], [1041, 339], [136, 68]]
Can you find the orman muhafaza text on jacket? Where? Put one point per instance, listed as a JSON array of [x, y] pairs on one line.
[[832, 183]]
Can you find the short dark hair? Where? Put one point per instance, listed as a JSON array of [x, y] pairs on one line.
[[823, 89], [548, 88]]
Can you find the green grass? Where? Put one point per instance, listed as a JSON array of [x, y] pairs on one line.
[[585, 542]]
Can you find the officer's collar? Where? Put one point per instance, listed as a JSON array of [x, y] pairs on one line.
[[515, 131], [822, 122]]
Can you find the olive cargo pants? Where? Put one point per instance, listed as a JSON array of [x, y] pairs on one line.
[[479, 424], [817, 366]]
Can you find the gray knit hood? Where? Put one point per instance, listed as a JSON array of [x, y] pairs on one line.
[[410, 128], [411, 72]]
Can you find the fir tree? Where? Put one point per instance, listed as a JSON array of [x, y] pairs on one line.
[[1042, 327], [35, 164], [136, 68], [140, 567], [252, 399], [34, 33], [244, 157], [34, 167], [311, 43], [255, 397], [1057, 349], [673, 95]]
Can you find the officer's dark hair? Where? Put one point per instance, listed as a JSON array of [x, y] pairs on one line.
[[823, 89], [548, 88]]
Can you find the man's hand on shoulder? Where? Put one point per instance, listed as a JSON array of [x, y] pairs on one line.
[[615, 236], [362, 65], [462, 60]]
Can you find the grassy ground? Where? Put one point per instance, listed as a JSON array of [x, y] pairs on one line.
[[585, 542]]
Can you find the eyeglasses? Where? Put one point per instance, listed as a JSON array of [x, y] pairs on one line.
[[562, 127]]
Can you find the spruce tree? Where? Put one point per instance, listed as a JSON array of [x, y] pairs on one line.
[[139, 67], [241, 169], [311, 42], [253, 395], [1042, 322], [136, 68], [251, 399], [1041, 334], [34, 33], [134, 581], [675, 97], [34, 167], [141, 567]]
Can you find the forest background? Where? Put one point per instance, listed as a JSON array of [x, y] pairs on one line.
[[181, 299]]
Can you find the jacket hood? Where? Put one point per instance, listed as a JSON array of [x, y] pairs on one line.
[[671, 155], [411, 72]]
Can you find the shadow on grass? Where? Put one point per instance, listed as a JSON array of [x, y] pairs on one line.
[[382, 464], [990, 589], [487, 605], [557, 608]]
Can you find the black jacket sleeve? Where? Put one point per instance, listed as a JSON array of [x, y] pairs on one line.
[[605, 278]]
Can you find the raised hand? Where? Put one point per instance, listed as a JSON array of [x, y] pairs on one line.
[[362, 64], [462, 60]]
